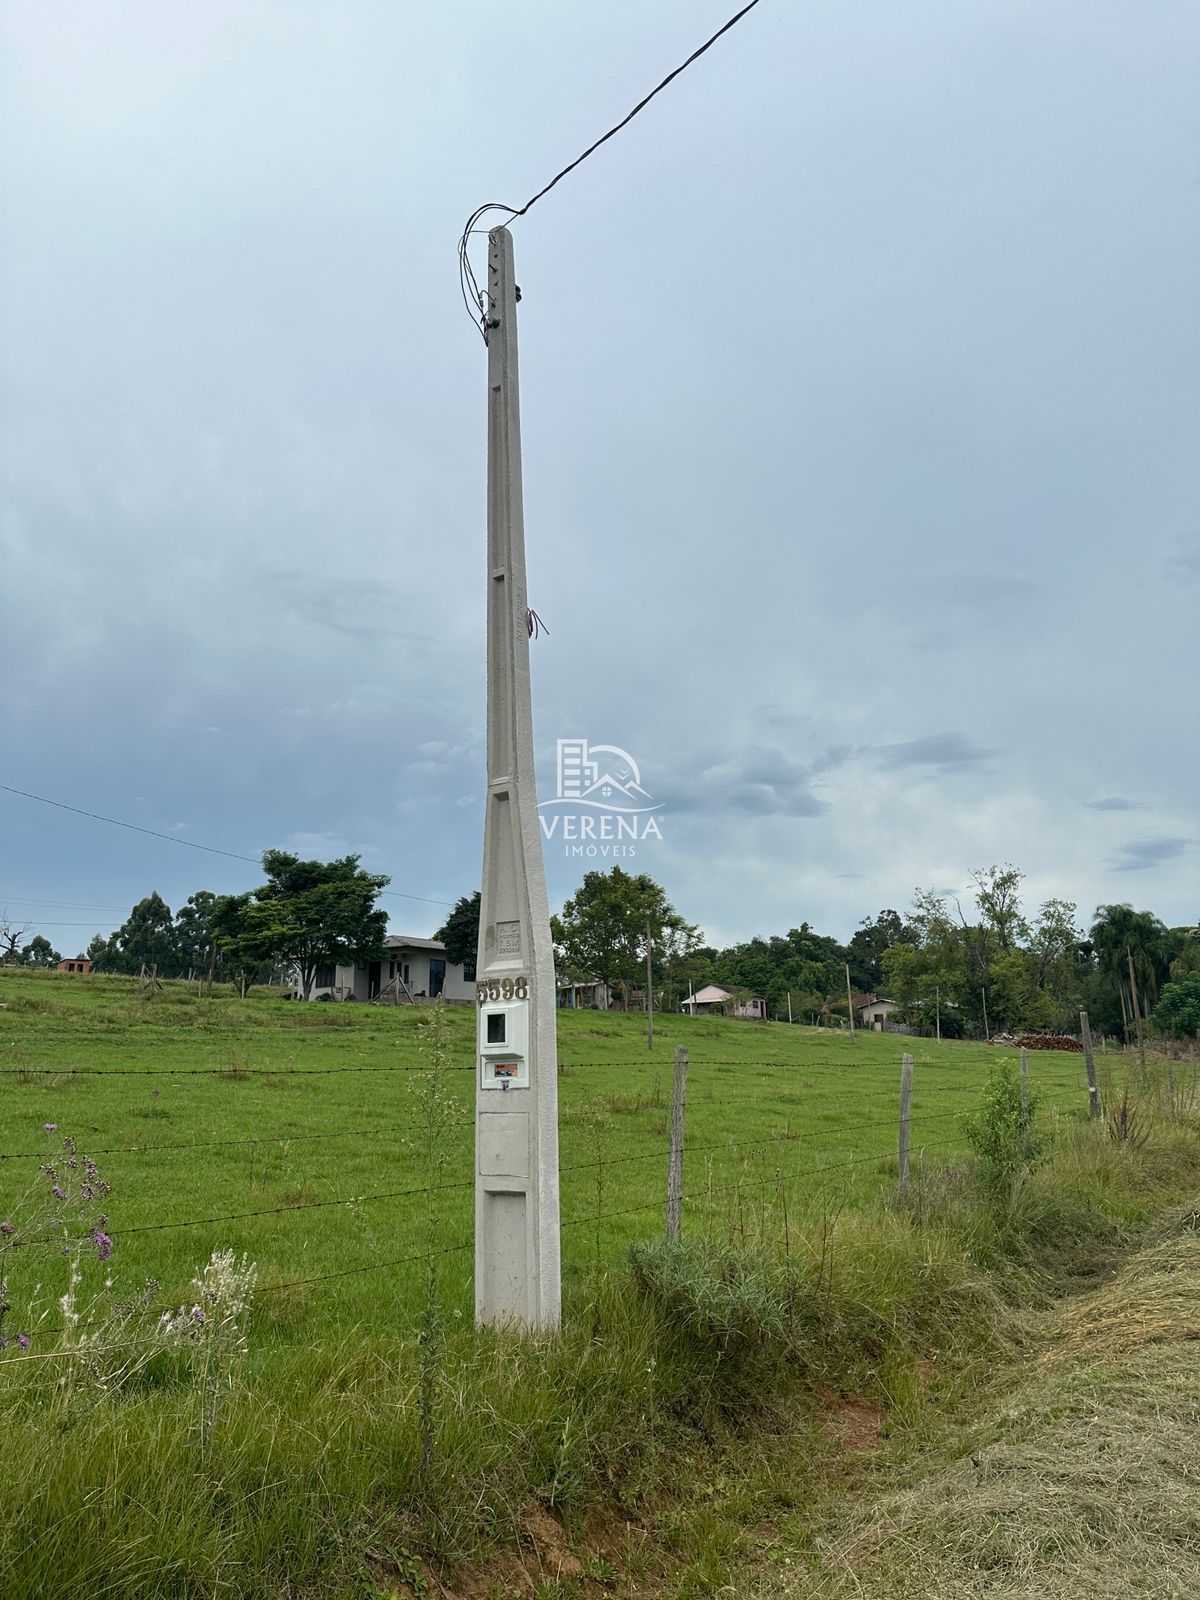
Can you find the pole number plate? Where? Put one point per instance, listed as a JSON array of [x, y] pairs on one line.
[[494, 989]]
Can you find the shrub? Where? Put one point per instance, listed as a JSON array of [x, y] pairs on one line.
[[1001, 1132]]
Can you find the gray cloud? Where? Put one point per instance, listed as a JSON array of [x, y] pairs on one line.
[[1183, 564], [1115, 803], [361, 610], [243, 412], [1141, 854], [984, 590], [947, 752], [757, 780]]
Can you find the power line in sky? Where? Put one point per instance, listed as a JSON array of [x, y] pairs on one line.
[[467, 280], [54, 905], [173, 838], [133, 827], [40, 922]]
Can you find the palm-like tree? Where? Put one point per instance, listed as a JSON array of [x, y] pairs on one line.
[[1121, 935]]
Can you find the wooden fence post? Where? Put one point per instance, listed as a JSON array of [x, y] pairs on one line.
[[1089, 1059], [675, 1158], [849, 1000], [906, 1069], [1024, 1097]]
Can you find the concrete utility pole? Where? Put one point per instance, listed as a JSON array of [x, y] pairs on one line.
[[517, 1259]]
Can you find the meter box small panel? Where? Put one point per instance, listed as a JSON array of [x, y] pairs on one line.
[[504, 1145], [504, 1044]]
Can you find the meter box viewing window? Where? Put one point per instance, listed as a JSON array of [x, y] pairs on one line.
[[504, 1044]]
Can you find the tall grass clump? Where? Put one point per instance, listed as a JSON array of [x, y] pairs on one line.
[[436, 1119]]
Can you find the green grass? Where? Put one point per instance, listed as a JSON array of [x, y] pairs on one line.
[[767, 1107], [684, 1405]]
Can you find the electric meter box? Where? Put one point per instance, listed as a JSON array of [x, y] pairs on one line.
[[504, 1044]]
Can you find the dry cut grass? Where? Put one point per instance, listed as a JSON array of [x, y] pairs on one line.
[[1082, 1483]]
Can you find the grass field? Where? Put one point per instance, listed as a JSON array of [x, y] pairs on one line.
[[295, 1109], [688, 1423]]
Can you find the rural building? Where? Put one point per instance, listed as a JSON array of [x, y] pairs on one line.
[[593, 994], [713, 998], [874, 1011], [413, 970], [752, 1009], [75, 964]]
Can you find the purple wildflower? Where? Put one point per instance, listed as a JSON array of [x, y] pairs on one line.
[[50, 1127], [104, 1245], [59, 1192], [197, 1315], [23, 1340], [7, 1230]]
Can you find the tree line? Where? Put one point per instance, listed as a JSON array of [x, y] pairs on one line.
[[964, 971], [306, 916]]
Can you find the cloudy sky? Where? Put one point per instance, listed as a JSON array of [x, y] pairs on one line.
[[861, 402]]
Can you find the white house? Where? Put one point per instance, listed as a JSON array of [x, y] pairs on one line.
[[710, 998], [414, 970], [713, 998], [874, 1011]]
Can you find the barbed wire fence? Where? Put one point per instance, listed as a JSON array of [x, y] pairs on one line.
[[716, 1182]]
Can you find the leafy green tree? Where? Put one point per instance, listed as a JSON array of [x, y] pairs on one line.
[[1185, 952], [99, 953], [1177, 1013], [237, 948], [870, 940], [929, 976], [308, 914], [460, 932], [998, 896], [193, 932], [39, 952], [602, 930], [146, 937], [803, 963]]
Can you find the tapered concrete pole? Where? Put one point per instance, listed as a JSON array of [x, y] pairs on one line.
[[517, 1259]]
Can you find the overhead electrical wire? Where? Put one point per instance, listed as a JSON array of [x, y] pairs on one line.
[[172, 838], [472, 295]]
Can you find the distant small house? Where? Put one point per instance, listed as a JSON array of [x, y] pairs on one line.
[[713, 998], [593, 994], [874, 1011], [413, 971], [752, 1009], [78, 964]]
